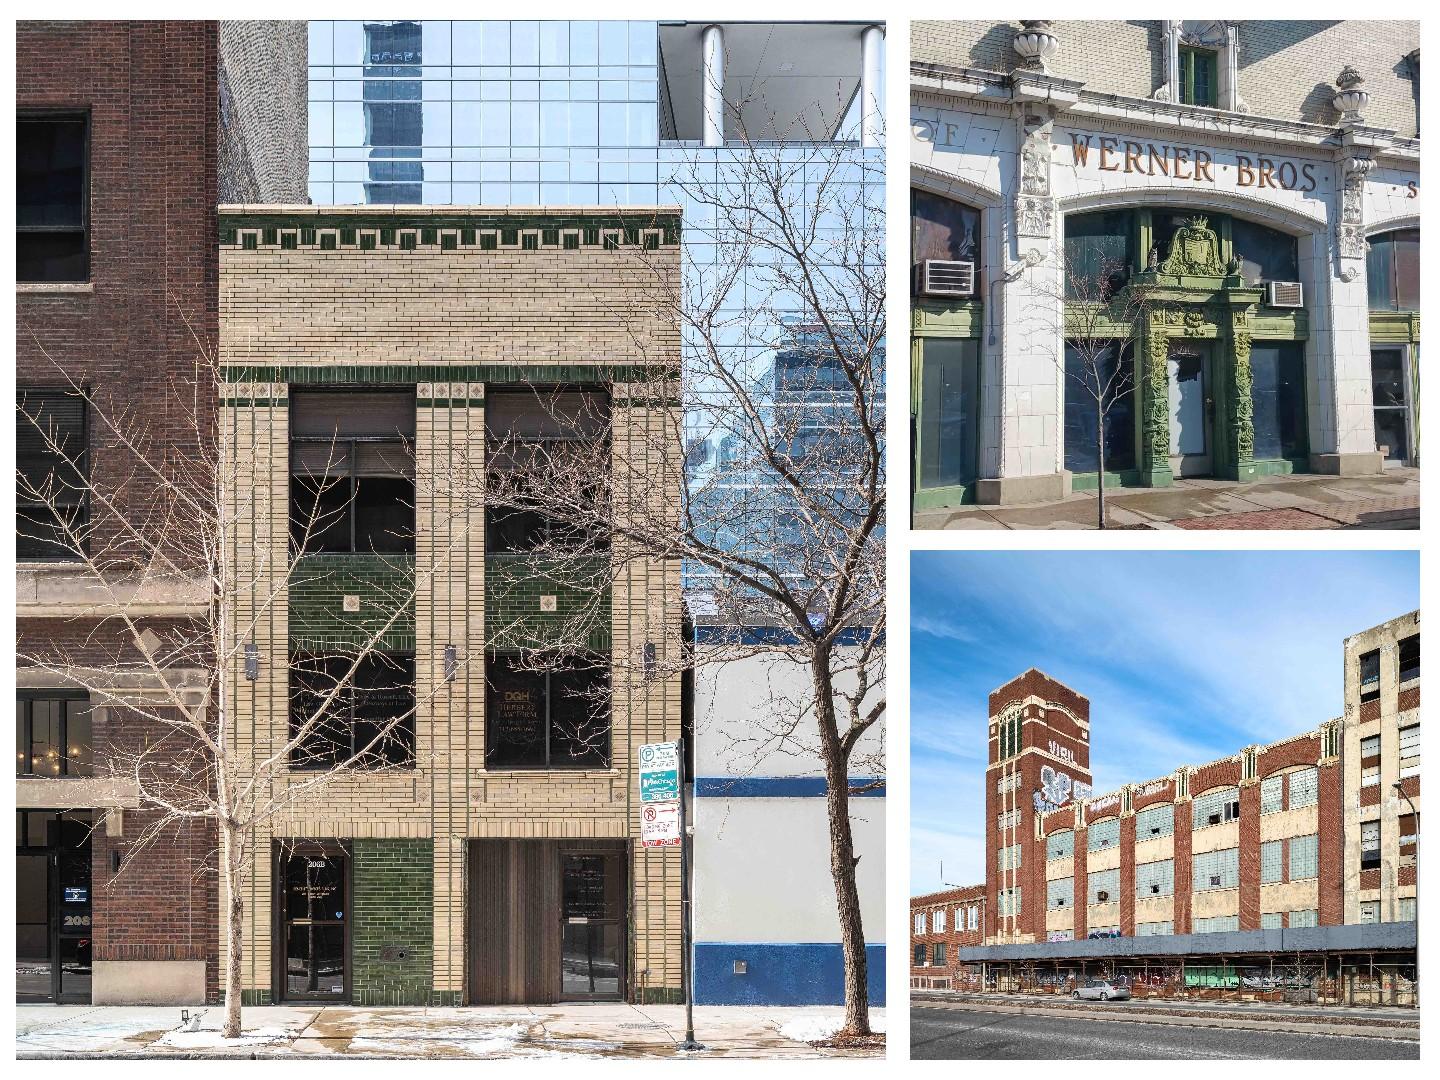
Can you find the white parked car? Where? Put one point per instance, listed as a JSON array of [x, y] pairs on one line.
[[1101, 990]]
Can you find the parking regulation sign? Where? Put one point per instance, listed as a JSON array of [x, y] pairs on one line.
[[659, 772], [660, 824]]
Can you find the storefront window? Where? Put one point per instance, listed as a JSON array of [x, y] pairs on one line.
[[949, 411], [547, 719], [1277, 394], [1099, 253], [1392, 267], [1265, 254], [1091, 371], [368, 716], [52, 736], [942, 228]]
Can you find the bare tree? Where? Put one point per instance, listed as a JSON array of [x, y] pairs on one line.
[[757, 463], [1104, 317], [164, 502]]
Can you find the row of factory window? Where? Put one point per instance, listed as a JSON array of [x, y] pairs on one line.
[[1408, 659], [967, 917], [352, 469], [1409, 755], [1407, 828]]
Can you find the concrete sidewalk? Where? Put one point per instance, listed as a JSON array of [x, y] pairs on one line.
[[565, 1031], [1390, 500]]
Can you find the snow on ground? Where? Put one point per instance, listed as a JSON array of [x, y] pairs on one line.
[[815, 1028], [214, 1040]]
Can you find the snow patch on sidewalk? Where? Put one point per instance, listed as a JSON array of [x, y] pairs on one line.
[[215, 1040], [812, 1028]]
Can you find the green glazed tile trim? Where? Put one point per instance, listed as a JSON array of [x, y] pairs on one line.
[[514, 585], [407, 232], [320, 583], [392, 930], [407, 374]]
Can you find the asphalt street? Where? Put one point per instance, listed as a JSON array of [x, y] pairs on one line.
[[955, 1034]]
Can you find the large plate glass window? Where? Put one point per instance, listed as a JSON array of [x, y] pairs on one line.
[[1277, 395], [366, 718], [51, 498], [1099, 378], [52, 734], [544, 717], [313, 914], [52, 211], [593, 935], [949, 421]]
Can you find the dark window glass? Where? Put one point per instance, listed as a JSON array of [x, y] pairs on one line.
[[531, 435], [919, 955], [942, 228], [371, 715], [1265, 254], [50, 468], [547, 719], [1410, 658], [1198, 82], [1369, 845], [52, 736], [1370, 676], [1278, 396], [1086, 376], [940, 954], [1099, 253], [52, 222], [1392, 269], [352, 471]]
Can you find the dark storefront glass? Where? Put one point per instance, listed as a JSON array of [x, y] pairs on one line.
[[1392, 269], [1278, 397], [53, 906], [1083, 380], [1099, 253], [592, 906], [949, 423], [372, 714], [51, 216], [1387, 384], [942, 228], [1265, 254], [547, 719], [52, 735], [314, 915]]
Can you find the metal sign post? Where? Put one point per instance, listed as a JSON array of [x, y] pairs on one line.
[[687, 975]]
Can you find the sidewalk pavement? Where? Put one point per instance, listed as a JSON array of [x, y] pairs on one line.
[[1389, 500], [518, 1031]]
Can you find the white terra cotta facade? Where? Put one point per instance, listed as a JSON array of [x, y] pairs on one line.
[[1026, 149]]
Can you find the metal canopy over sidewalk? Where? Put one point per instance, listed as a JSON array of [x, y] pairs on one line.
[[1373, 937]]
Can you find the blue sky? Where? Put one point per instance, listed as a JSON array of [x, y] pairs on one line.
[[1185, 657]]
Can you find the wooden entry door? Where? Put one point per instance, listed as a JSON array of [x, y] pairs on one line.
[[518, 927]]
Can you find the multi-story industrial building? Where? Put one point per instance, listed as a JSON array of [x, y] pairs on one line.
[[118, 133], [1257, 182], [1293, 861]]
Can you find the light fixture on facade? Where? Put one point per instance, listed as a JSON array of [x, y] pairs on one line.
[[451, 663]]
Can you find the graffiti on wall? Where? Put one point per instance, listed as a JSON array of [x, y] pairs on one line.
[[1057, 789]]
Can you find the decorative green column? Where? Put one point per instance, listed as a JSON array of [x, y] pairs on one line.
[[1239, 457], [1154, 401]]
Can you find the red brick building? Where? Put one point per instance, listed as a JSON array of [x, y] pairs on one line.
[[1315, 831], [118, 146]]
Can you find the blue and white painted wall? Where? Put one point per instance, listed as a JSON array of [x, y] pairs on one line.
[[764, 904]]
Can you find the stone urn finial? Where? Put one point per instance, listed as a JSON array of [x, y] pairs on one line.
[[1350, 102], [1036, 45]]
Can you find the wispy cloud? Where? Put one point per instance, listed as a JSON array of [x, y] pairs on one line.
[[1185, 657]]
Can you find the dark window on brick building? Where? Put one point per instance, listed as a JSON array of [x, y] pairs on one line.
[[1410, 658], [919, 955], [547, 719], [532, 434], [51, 499], [939, 954], [52, 734], [371, 714], [52, 219], [352, 471], [1370, 676], [1369, 845]]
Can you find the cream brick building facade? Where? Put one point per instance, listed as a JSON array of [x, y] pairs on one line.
[[1037, 147], [454, 302]]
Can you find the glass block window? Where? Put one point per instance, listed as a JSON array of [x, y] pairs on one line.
[[1007, 784], [1060, 893], [1305, 917], [1369, 775], [1060, 845], [1217, 870], [1103, 835], [1008, 820], [1218, 925], [1155, 878], [1304, 857], [1304, 787], [1009, 902], [1272, 794], [1405, 909], [1370, 746], [1154, 929], [1410, 751], [1216, 807], [937, 921], [1104, 887], [1155, 821], [1008, 858], [1369, 845], [1113, 930], [1270, 920], [1370, 911], [1271, 864]]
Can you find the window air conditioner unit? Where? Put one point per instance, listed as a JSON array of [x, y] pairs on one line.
[[1154, 888], [1214, 879], [947, 277], [1102, 896], [1284, 294]]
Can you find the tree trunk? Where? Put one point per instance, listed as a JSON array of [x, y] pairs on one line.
[[842, 850], [231, 856], [1100, 448]]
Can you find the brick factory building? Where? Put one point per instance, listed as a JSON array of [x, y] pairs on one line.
[[1257, 182], [494, 858], [118, 128], [1287, 869]]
